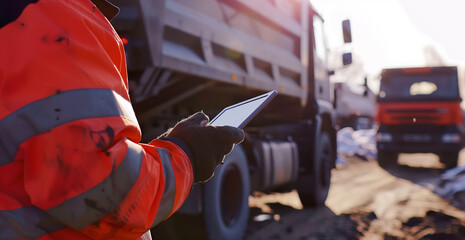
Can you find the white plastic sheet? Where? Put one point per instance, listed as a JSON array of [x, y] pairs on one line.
[[451, 183], [360, 143]]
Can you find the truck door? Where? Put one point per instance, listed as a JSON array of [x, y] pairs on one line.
[[322, 84]]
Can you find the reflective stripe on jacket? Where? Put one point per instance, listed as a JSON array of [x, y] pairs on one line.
[[71, 165]]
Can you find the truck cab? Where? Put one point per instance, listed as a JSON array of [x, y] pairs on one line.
[[419, 112]]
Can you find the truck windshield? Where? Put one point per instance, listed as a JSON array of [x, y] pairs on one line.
[[419, 87]]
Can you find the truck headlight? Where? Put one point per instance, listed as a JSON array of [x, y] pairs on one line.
[[383, 137], [451, 138]]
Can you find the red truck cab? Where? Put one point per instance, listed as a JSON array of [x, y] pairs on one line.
[[418, 111]]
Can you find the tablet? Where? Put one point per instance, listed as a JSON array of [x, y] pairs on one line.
[[239, 114]]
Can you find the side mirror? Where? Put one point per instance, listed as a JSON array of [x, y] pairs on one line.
[[346, 31], [346, 59]]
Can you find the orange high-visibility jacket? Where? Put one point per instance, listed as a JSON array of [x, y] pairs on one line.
[[71, 165]]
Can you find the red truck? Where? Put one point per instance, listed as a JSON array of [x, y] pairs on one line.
[[419, 112]]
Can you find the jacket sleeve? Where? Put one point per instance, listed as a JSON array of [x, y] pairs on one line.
[[73, 127], [93, 176]]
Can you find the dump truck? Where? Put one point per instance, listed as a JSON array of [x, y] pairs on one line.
[[355, 106], [189, 55], [419, 112]]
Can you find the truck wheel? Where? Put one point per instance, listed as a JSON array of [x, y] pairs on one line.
[[226, 198], [313, 188], [387, 159], [449, 159]]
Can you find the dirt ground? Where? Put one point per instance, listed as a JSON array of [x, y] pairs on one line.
[[364, 202]]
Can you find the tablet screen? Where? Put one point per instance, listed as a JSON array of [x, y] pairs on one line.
[[238, 115]]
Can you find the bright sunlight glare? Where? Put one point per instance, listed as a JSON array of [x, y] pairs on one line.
[[397, 33]]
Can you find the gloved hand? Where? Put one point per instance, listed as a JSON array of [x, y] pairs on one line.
[[209, 144]]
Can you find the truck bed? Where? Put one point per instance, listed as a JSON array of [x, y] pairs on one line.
[[256, 44]]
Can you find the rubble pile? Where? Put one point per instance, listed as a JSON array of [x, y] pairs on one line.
[[451, 186]]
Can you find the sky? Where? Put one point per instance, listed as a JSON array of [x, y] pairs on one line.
[[397, 33]]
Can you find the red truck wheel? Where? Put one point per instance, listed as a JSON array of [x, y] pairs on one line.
[[449, 159], [387, 159]]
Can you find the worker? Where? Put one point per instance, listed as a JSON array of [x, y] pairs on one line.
[[71, 165]]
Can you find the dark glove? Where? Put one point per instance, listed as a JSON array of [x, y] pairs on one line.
[[209, 144]]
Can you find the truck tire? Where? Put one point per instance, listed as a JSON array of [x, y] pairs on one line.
[[313, 188], [387, 159], [226, 198], [449, 159]]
